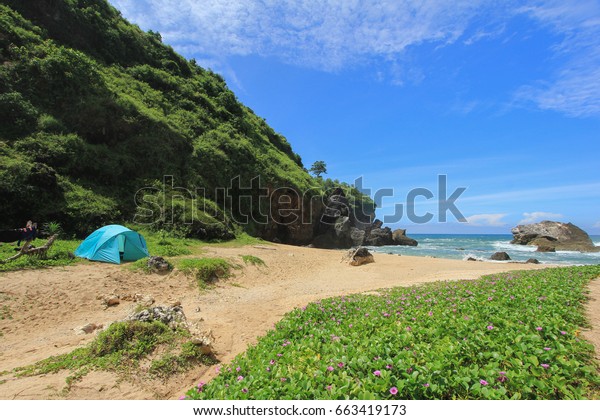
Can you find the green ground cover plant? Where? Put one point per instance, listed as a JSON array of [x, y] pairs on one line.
[[252, 260], [205, 270], [505, 336], [122, 347]]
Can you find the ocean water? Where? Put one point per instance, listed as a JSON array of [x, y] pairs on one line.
[[482, 247]]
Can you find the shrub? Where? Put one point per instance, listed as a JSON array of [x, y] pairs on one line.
[[205, 270]]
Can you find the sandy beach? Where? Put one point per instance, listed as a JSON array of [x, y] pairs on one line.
[[41, 309]]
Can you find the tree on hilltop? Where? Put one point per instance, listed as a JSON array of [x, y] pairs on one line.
[[318, 168]]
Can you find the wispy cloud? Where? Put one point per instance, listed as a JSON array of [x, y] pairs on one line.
[[597, 224], [575, 87], [324, 35], [487, 219], [538, 216], [564, 192], [338, 34]]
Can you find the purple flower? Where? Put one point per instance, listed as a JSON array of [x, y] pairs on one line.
[[330, 368], [483, 382], [218, 369], [272, 362], [183, 397], [283, 379], [377, 373], [200, 385], [545, 366], [393, 390], [245, 390], [490, 298], [408, 329], [547, 348], [279, 354], [538, 328], [388, 366], [490, 327], [426, 385], [268, 369], [328, 387], [240, 378], [340, 365], [563, 332]]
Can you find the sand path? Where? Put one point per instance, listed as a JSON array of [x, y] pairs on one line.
[[40, 309]]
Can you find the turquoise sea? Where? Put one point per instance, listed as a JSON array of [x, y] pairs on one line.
[[461, 247]]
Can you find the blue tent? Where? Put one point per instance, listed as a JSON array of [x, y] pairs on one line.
[[113, 243]]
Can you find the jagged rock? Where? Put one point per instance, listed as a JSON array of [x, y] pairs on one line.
[[561, 236], [173, 316], [500, 256], [357, 236], [532, 261], [205, 341], [159, 265], [399, 238], [379, 237], [358, 256], [377, 224], [471, 259]]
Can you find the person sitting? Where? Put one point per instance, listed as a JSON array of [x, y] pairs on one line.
[[28, 233]]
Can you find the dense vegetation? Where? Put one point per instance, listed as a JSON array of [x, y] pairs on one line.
[[504, 336], [94, 109]]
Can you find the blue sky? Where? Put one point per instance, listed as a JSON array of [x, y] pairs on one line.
[[502, 97]]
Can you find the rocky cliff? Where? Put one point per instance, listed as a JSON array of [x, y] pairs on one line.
[[340, 225]]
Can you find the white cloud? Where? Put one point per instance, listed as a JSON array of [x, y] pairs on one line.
[[538, 216], [487, 219]]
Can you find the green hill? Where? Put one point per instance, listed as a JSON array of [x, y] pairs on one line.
[[96, 112]]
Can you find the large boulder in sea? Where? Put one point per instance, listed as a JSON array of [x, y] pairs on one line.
[[557, 235], [500, 256], [399, 237]]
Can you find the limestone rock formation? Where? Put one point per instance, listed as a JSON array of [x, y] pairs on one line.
[[557, 235]]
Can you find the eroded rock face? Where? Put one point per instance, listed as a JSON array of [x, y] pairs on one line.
[[560, 236]]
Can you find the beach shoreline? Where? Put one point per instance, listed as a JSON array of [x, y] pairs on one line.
[[47, 306]]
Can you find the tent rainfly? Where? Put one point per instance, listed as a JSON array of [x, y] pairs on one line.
[[113, 243]]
